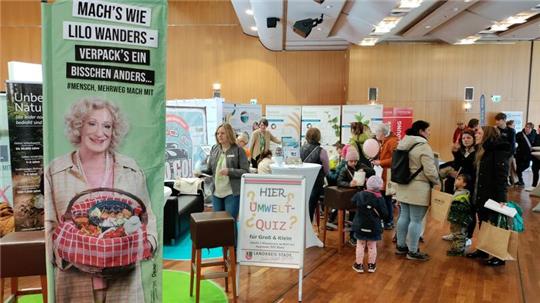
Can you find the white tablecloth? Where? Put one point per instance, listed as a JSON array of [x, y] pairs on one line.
[[310, 172]]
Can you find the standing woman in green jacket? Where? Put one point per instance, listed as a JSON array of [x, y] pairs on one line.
[[260, 141]]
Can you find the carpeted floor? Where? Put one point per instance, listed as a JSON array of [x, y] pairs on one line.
[[182, 250], [175, 289]]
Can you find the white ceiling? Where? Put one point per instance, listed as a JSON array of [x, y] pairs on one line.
[[348, 22]]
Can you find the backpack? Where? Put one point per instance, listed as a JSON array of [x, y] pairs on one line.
[[401, 173]]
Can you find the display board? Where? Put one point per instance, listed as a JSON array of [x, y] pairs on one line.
[[242, 117], [214, 113], [6, 192], [25, 119], [104, 137], [399, 119], [284, 122], [326, 118], [186, 133], [367, 114], [518, 119], [271, 221]]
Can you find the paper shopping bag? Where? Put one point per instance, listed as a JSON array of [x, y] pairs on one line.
[[498, 242], [440, 205]]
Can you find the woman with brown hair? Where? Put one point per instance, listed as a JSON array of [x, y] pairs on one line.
[[492, 159], [312, 152], [260, 142]]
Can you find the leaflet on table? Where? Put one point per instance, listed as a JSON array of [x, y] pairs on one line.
[[290, 147], [496, 206]]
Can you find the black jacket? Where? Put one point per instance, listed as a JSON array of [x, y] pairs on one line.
[[370, 210], [346, 174], [509, 134], [492, 173], [523, 151], [311, 153], [465, 165]]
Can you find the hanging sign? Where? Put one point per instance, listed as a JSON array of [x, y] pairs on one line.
[[104, 133]]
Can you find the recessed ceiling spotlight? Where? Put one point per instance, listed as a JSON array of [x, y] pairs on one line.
[[368, 41], [319, 29], [249, 12], [329, 6], [428, 26], [253, 28], [466, 1], [410, 3], [455, 9]]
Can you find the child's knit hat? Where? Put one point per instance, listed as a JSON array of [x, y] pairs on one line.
[[352, 154], [374, 183]]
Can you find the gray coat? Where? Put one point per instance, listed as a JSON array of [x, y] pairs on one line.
[[237, 164], [418, 191]]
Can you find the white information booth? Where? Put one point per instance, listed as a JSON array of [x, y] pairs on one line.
[[271, 222]]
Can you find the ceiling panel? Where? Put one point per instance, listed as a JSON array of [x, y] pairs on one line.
[[463, 25], [527, 31]]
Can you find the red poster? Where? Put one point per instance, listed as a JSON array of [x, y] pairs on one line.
[[399, 119]]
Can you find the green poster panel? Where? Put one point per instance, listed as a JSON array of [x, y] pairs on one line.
[[104, 145]]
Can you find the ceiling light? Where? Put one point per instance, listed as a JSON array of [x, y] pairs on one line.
[[249, 12], [428, 26], [253, 28], [368, 41], [467, 1], [516, 19], [499, 27], [410, 3], [329, 6], [468, 40], [386, 25], [304, 27]]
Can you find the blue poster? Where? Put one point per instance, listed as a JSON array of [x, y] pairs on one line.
[[482, 110], [186, 133]]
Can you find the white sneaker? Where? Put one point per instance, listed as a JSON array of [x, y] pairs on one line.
[[529, 188], [468, 242], [448, 237]]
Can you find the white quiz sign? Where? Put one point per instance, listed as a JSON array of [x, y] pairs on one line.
[[271, 221]]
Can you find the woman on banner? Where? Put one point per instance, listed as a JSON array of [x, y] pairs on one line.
[[95, 128], [260, 141], [312, 152], [415, 196], [492, 161], [226, 164]]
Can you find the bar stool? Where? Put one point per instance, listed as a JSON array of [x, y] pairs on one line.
[[340, 199], [23, 254], [209, 230]]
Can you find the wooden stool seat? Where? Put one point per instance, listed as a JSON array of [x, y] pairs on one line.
[[341, 199], [23, 254], [209, 230]]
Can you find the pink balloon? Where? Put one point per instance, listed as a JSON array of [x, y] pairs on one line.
[[370, 148]]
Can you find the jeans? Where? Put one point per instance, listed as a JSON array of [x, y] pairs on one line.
[[390, 209], [409, 225], [230, 203]]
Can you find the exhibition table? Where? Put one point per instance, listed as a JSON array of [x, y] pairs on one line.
[[310, 172]]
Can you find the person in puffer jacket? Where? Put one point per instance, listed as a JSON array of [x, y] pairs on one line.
[[367, 224]]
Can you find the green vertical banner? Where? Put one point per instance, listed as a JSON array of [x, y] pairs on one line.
[[104, 148]]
